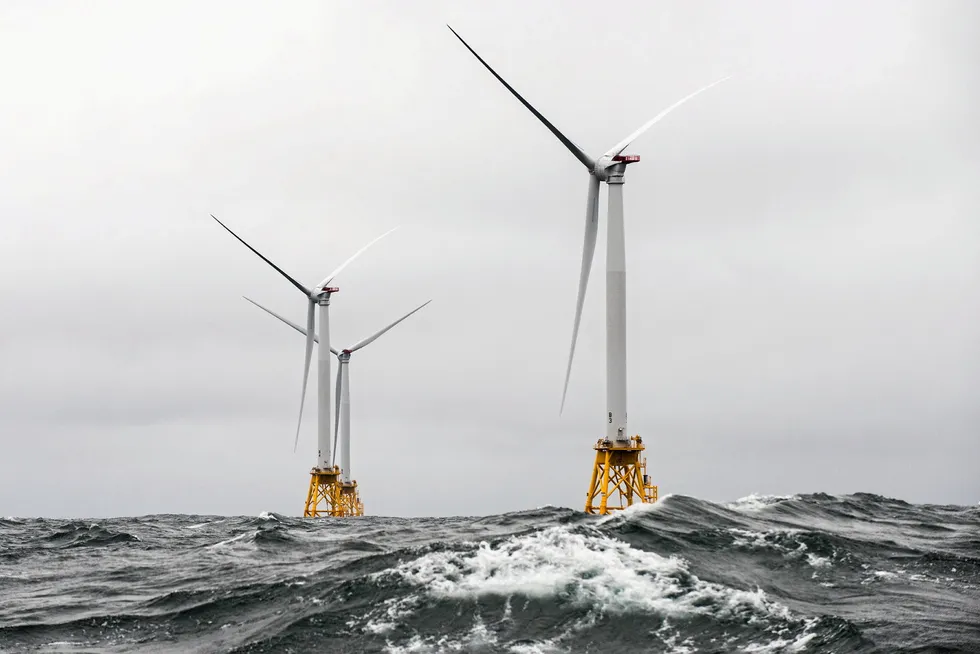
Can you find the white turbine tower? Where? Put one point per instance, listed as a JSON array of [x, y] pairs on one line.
[[342, 419], [318, 296], [610, 167]]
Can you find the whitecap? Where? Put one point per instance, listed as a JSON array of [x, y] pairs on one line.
[[589, 570], [756, 502], [639, 508], [230, 540], [818, 561], [540, 647], [769, 540]]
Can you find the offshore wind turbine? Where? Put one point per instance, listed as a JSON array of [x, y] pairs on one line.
[[618, 468], [342, 414], [324, 476]]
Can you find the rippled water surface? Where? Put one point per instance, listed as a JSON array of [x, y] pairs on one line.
[[812, 573]]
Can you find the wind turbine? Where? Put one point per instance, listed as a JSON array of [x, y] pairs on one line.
[[318, 296], [610, 167], [342, 420]]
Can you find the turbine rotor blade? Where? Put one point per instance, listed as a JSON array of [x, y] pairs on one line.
[[574, 149], [370, 339], [622, 145], [278, 269], [336, 419], [306, 365], [288, 322], [588, 251], [336, 272]]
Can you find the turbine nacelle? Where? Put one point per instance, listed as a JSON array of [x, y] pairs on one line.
[[327, 291], [603, 164]]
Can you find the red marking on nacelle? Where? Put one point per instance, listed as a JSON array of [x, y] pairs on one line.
[[627, 158], [330, 289], [345, 351]]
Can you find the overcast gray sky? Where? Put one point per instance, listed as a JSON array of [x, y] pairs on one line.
[[803, 249]]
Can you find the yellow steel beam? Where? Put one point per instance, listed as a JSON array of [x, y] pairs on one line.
[[619, 474]]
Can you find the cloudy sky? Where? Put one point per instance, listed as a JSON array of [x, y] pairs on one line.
[[803, 249]]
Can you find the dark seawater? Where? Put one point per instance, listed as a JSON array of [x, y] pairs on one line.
[[811, 573]]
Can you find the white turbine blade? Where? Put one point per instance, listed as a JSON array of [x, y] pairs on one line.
[[336, 414], [336, 272], [588, 250], [285, 320], [622, 145], [288, 322], [306, 365], [370, 339], [574, 149]]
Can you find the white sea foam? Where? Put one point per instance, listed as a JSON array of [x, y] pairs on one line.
[[880, 575], [265, 515], [392, 611], [633, 510], [771, 540], [669, 637], [417, 645], [230, 540], [542, 647], [818, 561], [781, 645], [760, 539], [756, 502], [479, 637], [590, 570]]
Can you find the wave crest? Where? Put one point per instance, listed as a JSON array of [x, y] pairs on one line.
[[586, 569], [93, 535]]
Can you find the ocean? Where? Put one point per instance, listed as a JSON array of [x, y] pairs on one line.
[[807, 573]]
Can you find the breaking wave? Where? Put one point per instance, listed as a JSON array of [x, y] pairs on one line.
[[805, 573]]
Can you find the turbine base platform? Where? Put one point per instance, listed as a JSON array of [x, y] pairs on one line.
[[348, 500], [619, 477], [322, 498]]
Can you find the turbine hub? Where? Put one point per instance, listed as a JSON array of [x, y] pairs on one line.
[[600, 169]]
